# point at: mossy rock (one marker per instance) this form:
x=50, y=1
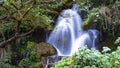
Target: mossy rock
x=44, y=49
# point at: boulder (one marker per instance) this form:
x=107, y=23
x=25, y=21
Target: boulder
x=44, y=49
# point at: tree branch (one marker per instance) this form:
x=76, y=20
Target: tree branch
x=2, y=5
x=19, y=21
x=28, y=10
x=24, y=34
x=49, y=1
x=9, y=16
x=3, y=43
x=14, y=6
x=2, y=18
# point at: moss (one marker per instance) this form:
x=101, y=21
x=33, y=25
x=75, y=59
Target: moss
x=44, y=49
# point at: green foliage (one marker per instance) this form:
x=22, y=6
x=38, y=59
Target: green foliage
x=95, y=3
x=5, y=62
x=24, y=45
x=33, y=56
x=28, y=63
x=25, y=62
x=117, y=41
x=32, y=61
x=39, y=16
x=30, y=44
x=5, y=65
x=45, y=22
x=91, y=18
x=104, y=15
x=86, y=58
x=64, y=63
x=7, y=27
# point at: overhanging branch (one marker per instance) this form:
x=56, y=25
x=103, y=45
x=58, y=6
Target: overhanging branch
x=3, y=43
x=24, y=34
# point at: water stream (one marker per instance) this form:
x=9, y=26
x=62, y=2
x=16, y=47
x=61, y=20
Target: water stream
x=68, y=35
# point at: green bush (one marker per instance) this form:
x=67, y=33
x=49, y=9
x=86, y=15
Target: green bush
x=31, y=61
x=117, y=41
x=27, y=63
x=86, y=58
x=5, y=62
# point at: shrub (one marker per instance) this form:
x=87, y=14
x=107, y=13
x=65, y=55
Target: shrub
x=31, y=60
x=5, y=62
x=86, y=58
x=117, y=41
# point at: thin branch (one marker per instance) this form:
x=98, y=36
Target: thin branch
x=28, y=10
x=2, y=18
x=2, y=5
x=17, y=35
x=3, y=43
x=44, y=2
x=13, y=13
x=14, y=6
x=9, y=16
x=29, y=1
x=24, y=34
x=17, y=10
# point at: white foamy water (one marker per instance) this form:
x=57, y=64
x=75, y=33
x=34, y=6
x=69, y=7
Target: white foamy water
x=68, y=36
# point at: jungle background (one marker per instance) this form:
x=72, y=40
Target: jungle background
x=24, y=25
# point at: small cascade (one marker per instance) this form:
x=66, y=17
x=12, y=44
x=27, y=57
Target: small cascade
x=68, y=35
x=94, y=38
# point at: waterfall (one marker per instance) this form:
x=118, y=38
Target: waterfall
x=68, y=35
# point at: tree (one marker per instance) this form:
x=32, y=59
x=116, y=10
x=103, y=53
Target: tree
x=14, y=14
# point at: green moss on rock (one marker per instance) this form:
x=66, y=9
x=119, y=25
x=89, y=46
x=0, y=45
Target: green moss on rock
x=44, y=49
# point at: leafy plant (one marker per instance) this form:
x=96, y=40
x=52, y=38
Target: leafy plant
x=86, y=58
x=30, y=44
x=25, y=16
x=32, y=60
x=117, y=41
x=91, y=18
x=6, y=61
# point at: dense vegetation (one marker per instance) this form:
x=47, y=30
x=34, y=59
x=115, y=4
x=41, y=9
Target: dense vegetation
x=104, y=15
x=25, y=23
x=86, y=58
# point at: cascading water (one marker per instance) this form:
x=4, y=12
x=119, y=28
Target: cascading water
x=68, y=36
